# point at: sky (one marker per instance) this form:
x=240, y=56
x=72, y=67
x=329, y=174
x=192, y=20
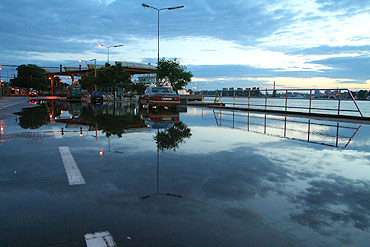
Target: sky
x=239, y=43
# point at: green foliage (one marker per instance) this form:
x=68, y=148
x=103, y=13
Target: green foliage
x=362, y=94
x=170, y=71
x=31, y=76
x=139, y=88
x=171, y=138
x=108, y=77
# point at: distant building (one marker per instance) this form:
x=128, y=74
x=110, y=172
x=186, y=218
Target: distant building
x=149, y=79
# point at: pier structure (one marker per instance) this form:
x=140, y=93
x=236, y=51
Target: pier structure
x=279, y=101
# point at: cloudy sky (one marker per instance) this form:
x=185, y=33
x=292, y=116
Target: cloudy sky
x=239, y=43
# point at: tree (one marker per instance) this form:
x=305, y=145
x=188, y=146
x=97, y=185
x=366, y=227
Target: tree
x=108, y=77
x=31, y=76
x=362, y=94
x=170, y=71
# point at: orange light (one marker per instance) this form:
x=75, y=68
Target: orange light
x=51, y=116
x=100, y=45
x=81, y=135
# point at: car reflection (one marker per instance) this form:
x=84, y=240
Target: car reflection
x=159, y=119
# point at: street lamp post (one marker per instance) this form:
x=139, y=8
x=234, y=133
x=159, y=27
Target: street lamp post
x=94, y=59
x=158, y=10
x=101, y=45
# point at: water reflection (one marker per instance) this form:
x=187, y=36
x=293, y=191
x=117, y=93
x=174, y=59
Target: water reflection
x=332, y=204
x=158, y=186
x=306, y=130
x=34, y=117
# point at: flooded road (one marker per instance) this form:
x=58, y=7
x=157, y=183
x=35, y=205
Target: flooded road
x=77, y=174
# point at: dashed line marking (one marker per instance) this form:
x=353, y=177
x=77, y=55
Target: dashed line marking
x=57, y=133
x=99, y=239
x=73, y=172
x=2, y=107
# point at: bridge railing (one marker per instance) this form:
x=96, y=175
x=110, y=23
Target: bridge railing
x=327, y=101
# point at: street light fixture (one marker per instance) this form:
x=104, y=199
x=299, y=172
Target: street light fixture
x=158, y=10
x=101, y=45
x=94, y=59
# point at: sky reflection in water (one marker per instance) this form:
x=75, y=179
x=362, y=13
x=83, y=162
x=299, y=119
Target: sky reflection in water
x=233, y=186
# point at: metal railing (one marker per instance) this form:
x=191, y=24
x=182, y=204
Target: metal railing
x=310, y=95
x=278, y=127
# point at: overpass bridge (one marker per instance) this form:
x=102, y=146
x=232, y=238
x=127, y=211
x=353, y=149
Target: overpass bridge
x=131, y=67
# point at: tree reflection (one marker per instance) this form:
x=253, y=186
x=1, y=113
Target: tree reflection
x=172, y=137
x=111, y=124
x=33, y=118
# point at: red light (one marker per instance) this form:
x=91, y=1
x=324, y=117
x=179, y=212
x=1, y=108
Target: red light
x=155, y=119
x=177, y=98
x=156, y=98
x=177, y=118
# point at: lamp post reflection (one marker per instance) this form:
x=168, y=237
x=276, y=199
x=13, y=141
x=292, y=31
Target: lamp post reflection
x=169, y=138
x=158, y=187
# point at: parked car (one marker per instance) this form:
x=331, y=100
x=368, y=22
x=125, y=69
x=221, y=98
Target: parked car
x=155, y=97
x=96, y=96
x=33, y=96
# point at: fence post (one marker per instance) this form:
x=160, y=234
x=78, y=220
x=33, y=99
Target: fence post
x=266, y=100
x=234, y=99
x=249, y=98
x=286, y=100
x=309, y=109
x=340, y=92
x=221, y=98
x=354, y=101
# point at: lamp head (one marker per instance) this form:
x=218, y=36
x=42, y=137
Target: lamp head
x=178, y=7
x=100, y=45
x=145, y=5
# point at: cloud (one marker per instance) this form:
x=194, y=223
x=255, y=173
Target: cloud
x=330, y=50
x=346, y=6
x=218, y=39
x=347, y=67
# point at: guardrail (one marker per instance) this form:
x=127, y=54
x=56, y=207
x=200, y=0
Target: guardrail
x=293, y=129
x=310, y=95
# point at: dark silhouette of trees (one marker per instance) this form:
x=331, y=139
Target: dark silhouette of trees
x=31, y=76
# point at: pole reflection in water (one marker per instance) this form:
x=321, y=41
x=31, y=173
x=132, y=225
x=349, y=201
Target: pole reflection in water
x=158, y=186
x=320, y=132
x=173, y=135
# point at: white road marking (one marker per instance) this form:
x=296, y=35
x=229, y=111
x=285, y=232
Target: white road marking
x=99, y=239
x=73, y=172
x=5, y=106
x=57, y=133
